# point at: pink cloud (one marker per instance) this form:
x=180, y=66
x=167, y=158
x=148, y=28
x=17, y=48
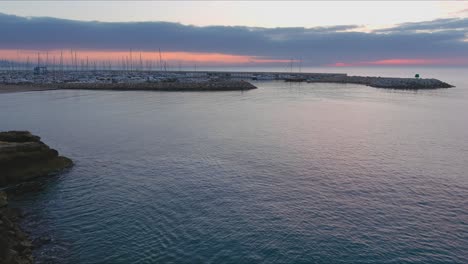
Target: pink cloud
x=408, y=62
x=119, y=56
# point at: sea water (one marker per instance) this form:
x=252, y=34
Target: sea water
x=286, y=173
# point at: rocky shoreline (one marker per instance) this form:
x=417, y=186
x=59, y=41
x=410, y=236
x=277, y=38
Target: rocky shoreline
x=15, y=246
x=23, y=158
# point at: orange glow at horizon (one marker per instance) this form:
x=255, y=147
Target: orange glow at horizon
x=405, y=62
x=135, y=57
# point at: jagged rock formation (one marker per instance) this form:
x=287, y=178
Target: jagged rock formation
x=24, y=156
x=15, y=247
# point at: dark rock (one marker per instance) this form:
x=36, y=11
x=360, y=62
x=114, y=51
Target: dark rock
x=15, y=247
x=27, y=187
x=14, y=214
x=22, y=246
x=24, y=157
x=3, y=199
x=18, y=136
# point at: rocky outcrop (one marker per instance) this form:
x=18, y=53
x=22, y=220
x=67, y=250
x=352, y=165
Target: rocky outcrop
x=15, y=247
x=3, y=199
x=24, y=156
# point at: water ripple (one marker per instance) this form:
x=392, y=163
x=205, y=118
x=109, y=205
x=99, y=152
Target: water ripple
x=316, y=173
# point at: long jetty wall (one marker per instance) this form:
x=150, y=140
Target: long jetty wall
x=162, y=86
x=386, y=82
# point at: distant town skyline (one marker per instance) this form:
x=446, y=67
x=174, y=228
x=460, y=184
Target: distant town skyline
x=336, y=33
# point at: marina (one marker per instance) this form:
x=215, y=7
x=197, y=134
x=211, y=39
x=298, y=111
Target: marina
x=41, y=79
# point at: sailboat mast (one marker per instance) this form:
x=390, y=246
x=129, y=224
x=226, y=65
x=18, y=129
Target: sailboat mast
x=131, y=60
x=160, y=60
x=76, y=62
x=141, y=63
x=61, y=61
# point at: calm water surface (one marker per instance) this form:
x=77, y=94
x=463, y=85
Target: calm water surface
x=287, y=173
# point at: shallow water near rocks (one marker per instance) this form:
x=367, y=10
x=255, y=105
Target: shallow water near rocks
x=287, y=173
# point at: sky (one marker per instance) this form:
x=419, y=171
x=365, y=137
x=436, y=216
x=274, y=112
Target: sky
x=314, y=33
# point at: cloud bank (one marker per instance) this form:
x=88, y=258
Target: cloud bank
x=442, y=40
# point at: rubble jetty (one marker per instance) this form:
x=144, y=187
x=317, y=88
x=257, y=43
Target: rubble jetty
x=385, y=82
x=160, y=86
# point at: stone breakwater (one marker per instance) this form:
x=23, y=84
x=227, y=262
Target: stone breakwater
x=162, y=86
x=386, y=82
x=23, y=157
x=228, y=85
x=190, y=81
